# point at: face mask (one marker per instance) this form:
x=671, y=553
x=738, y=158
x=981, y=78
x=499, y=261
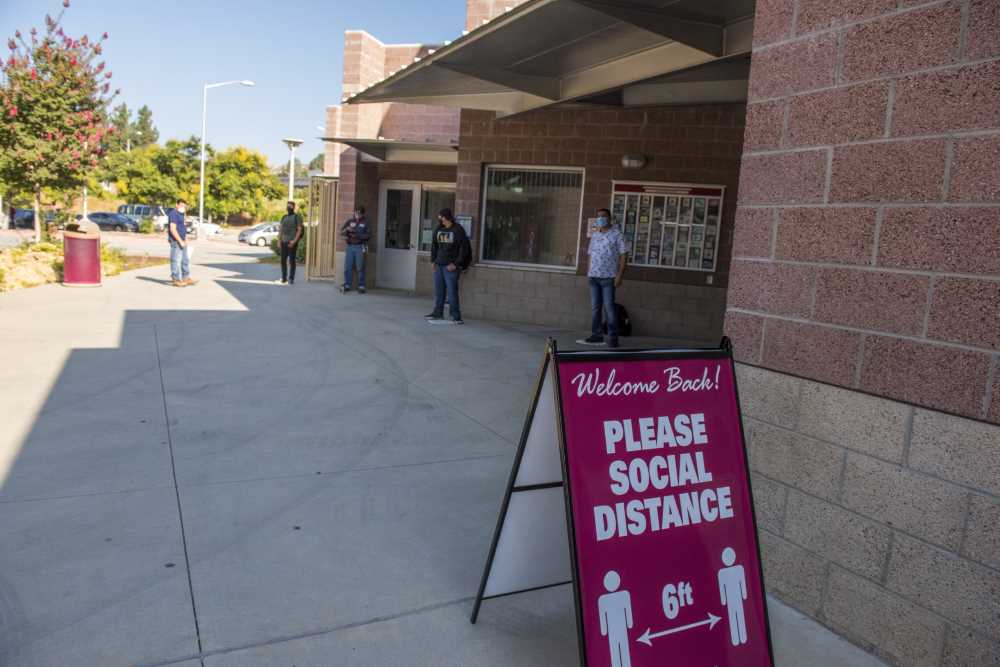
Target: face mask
x=603, y=222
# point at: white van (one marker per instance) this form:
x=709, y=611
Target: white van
x=139, y=211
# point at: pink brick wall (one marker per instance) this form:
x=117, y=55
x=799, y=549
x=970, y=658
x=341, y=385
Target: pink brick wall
x=867, y=243
x=366, y=61
x=682, y=145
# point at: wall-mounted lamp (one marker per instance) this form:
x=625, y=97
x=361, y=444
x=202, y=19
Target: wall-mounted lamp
x=633, y=161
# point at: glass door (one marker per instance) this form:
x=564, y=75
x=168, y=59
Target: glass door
x=433, y=198
x=397, y=237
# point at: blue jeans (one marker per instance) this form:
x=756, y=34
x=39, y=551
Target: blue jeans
x=179, y=269
x=602, y=297
x=354, y=258
x=446, y=281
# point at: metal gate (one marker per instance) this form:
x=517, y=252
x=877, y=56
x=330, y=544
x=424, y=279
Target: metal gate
x=322, y=247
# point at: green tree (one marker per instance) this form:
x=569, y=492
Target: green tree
x=138, y=177
x=301, y=170
x=54, y=93
x=156, y=174
x=143, y=130
x=239, y=182
x=121, y=120
x=316, y=164
x=131, y=133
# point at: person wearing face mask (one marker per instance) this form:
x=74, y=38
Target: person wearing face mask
x=177, y=236
x=356, y=232
x=608, y=255
x=288, y=241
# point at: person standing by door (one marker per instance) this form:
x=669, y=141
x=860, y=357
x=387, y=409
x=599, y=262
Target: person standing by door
x=605, y=273
x=180, y=272
x=357, y=232
x=288, y=241
x=451, y=253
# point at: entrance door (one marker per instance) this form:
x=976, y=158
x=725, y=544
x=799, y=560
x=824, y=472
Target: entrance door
x=433, y=198
x=399, y=210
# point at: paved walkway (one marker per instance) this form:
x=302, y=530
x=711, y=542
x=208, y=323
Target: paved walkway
x=244, y=474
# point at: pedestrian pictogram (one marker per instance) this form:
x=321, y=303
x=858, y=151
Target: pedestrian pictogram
x=646, y=449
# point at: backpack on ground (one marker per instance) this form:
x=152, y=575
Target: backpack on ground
x=624, y=321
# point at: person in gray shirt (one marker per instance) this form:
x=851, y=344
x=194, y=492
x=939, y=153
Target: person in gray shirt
x=288, y=241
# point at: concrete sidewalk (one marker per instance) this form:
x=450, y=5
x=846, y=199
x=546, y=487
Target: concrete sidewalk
x=241, y=473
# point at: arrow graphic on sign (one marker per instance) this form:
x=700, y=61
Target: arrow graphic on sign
x=648, y=636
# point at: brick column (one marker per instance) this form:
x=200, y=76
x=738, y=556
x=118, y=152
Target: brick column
x=865, y=306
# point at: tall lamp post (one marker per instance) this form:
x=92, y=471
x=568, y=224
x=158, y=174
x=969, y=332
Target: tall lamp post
x=204, y=129
x=292, y=145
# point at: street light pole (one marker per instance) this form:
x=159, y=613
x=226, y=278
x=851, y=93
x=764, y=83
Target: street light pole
x=292, y=145
x=204, y=130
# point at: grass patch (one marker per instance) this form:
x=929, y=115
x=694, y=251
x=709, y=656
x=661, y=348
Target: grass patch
x=133, y=262
x=270, y=259
x=32, y=264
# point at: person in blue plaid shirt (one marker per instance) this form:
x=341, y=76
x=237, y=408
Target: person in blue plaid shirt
x=607, y=268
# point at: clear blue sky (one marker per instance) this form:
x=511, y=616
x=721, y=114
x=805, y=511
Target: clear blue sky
x=163, y=51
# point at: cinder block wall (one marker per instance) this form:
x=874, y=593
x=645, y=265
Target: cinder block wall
x=865, y=307
x=699, y=144
x=561, y=300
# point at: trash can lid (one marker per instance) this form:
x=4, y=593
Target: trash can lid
x=84, y=229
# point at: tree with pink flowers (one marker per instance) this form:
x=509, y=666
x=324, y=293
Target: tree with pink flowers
x=54, y=95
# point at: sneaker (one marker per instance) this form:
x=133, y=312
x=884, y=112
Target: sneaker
x=593, y=340
x=612, y=342
x=361, y=290
x=178, y=283
x=189, y=281
x=283, y=281
x=344, y=290
x=434, y=316
x=458, y=321
x=291, y=281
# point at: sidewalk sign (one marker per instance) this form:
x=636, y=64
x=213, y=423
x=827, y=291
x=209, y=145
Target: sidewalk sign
x=647, y=451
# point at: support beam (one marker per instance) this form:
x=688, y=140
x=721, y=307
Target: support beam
x=540, y=86
x=707, y=37
x=377, y=152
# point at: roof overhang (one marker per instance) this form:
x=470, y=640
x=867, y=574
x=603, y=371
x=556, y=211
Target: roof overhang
x=547, y=52
x=390, y=150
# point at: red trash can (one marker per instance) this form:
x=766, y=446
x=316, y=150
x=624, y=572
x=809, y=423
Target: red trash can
x=82, y=255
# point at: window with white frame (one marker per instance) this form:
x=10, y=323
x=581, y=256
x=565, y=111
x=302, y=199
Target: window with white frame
x=670, y=225
x=532, y=215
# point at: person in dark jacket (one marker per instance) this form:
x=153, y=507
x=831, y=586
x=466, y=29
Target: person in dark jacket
x=450, y=253
x=288, y=242
x=357, y=232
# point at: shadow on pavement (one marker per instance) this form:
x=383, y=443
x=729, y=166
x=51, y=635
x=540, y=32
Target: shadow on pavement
x=273, y=474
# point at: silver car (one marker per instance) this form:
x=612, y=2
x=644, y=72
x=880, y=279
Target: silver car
x=260, y=235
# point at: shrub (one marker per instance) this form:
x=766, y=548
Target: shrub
x=300, y=249
x=146, y=226
x=112, y=260
x=45, y=246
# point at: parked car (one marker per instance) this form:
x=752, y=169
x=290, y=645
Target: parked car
x=113, y=222
x=260, y=235
x=139, y=211
x=207, y=229
x=23, y=218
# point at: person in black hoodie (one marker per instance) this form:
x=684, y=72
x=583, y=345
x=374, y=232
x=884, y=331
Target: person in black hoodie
x=451, y=252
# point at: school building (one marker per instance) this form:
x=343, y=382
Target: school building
x=818, y=180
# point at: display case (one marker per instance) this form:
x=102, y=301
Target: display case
x=669, y=225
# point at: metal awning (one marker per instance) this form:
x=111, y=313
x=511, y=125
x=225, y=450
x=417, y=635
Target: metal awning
x=391, y=150
x=547, y=52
